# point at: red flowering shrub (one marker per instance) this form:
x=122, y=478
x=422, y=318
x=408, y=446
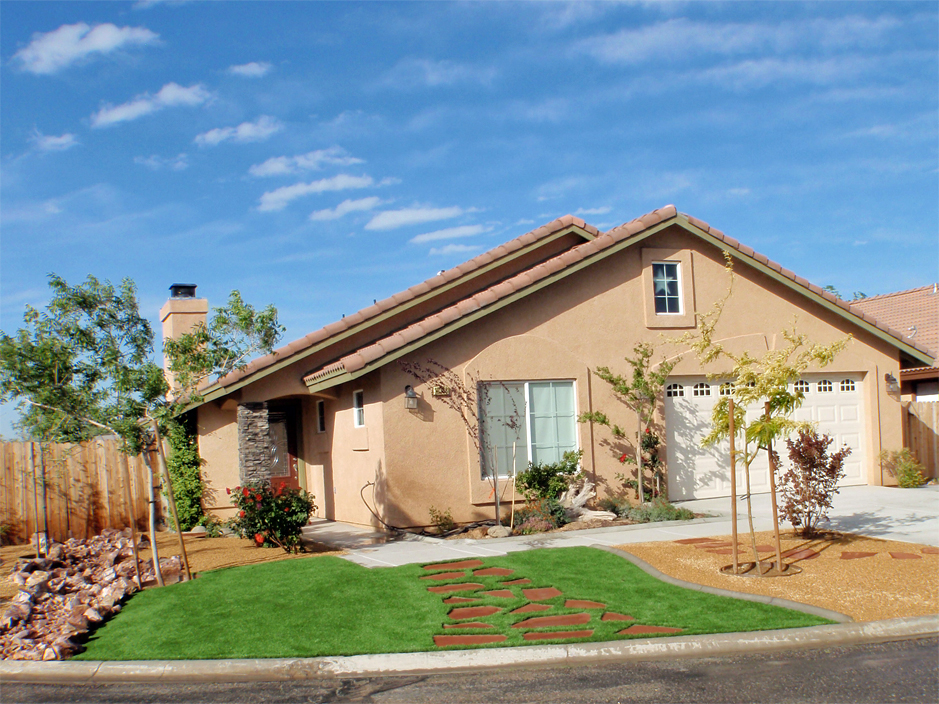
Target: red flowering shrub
x=811, y=483
x=272, y=516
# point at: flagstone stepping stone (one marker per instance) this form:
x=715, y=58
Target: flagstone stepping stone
x=473, y=612
x=469, y=624
x=581, y=604
x=441, y=576
x=612, y=616
x=528, y=608
x=459, y=600
x=469, y=639
x=636, y=630
x=848, y=555
x=930, y=551
x=517, y=581
x=713, y=544
x=730, y=550
x=905, y=556
x=541, y=594
x=446, y=588
x=694, y=541
x=493, y=572
x=501, y=593
x=558, y=635
x=550, y=621
x=803, y=554
x=462, y=565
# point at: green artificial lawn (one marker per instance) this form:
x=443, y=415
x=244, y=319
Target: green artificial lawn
x=329, y=606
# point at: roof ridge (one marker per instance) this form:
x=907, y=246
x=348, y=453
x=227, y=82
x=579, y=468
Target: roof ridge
x=893, y=293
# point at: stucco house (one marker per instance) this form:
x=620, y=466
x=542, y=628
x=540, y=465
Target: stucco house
x=530, y=319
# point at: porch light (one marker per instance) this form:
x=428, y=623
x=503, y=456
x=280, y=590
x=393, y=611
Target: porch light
x=893, y=386
x=410, y=398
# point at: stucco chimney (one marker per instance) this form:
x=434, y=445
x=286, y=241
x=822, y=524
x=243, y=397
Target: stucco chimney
x=180, y=314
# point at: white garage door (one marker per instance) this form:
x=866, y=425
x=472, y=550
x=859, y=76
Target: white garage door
x=834, y=401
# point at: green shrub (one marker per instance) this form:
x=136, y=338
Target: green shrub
x=185, y=467
x=271, y=517
x=616, y=504
x=659, y=510
x=549, y=481
x=902, y=465
x=539, y=515
x=442, y=521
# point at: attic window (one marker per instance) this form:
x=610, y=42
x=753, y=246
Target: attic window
x=666, y=286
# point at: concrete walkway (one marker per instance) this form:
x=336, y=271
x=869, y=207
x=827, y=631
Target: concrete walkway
x=908, y=515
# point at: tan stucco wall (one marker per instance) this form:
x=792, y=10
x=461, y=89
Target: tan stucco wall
x=218, y=447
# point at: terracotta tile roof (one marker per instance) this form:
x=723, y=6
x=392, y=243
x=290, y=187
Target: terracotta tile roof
x=914, y=313
x=413, y=292
x=362, y=357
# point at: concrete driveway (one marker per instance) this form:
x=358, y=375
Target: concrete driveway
x=908, y=515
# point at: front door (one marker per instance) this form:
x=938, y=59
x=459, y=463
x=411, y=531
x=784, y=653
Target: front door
x=284, y=465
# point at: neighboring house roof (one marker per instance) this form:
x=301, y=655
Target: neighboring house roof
x=413, y=333
x=914, y=313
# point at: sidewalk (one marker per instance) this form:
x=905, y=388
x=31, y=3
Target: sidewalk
x=907, y=515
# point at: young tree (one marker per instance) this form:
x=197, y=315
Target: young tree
x=754, y=382
x=84, y=366
x=811, y=482
x=639, y=392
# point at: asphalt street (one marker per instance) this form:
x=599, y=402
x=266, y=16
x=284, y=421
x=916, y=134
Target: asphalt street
x=903, y=671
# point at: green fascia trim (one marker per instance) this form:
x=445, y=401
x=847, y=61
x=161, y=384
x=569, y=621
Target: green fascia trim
x=343, y=377
x=214, y=392
x=798, y=288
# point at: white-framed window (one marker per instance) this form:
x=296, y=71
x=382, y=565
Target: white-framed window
x=847, y=385
x=321, y=416
x=802, y=386
x=702, y=389
x=727, y=388
x=532, y=421
x=666, y=286
x=824, y=386
x=674, y=390
x=358, y=408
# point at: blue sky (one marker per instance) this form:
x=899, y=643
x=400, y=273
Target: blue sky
x=318, y=156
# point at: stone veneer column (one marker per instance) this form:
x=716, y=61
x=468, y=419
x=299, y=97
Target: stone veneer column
x=254, y=443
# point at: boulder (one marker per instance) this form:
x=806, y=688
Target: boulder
x=498, y=532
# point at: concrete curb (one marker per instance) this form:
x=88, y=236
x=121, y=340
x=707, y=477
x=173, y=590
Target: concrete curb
x=744, y=596
x=272, y=670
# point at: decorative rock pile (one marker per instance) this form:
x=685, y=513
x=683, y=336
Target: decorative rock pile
x=74, y=589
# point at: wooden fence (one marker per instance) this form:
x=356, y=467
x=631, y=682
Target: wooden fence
x=84, y=489
x=921, y=433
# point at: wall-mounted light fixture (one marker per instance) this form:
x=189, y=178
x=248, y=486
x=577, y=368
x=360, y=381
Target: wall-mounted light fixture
x=410, y=398
x=893, y=386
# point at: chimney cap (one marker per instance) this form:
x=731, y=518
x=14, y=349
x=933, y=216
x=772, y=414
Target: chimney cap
x=183, y=291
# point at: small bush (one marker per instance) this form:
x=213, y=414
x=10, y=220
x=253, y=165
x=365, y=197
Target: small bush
x=538, y=512
x=442, y=521
x=659, y=510
x=271, y=517
x=902, y=465
x=811, y=482
x=549, y=481
x=617, y=504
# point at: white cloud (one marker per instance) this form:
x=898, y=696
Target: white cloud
x=311, y=161
x=593, y=211
x=170, y=95
x=256, y=131
x=279, y=198
x=453, y=249
x=51, y=52
x=739, y=192
x=156, y=162
x=420, y=73
x=50, y=143
x=449, y=233
x=346, y=207
x=392, y=219
x=254, y=69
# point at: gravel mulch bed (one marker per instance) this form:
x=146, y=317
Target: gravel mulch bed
x=869, y=589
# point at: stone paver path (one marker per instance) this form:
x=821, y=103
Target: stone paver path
x=462, y=592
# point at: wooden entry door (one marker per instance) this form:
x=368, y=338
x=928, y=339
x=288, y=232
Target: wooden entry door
x=282, y=426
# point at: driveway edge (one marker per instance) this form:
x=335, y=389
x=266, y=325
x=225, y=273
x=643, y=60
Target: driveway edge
x=282, y=669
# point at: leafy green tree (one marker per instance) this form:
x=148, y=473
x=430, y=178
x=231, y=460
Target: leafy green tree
x=639, y=391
